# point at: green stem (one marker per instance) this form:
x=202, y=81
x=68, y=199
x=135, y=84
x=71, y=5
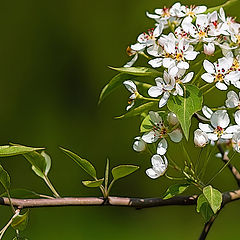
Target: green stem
x=209, y=90
x=221, y=169
x=47, y=181
x=145, y=55
x=147, y=99
x=174, y=178
x=227, y=4
x=109, y=188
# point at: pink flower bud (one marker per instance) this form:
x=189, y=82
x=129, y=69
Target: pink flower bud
x=209, y=49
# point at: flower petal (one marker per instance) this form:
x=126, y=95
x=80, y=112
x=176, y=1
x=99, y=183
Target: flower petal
x=162, y=147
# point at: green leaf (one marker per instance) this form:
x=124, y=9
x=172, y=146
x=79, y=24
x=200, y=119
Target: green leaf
x=93, y=184
x=139, y=110
x=38, y=162
x=123, y=171
x=20, y=222
x=214, y=198
x=113, y=85
x=8, y=150
x=48, y=166
x=138, y=71
x=4, y=178
x=184, y=107
x=84, y=164
x=175, y=190
x=204, y=208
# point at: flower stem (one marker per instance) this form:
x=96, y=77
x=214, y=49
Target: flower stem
x=221, y=169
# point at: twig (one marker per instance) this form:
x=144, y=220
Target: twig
x=225, y=159
x=207, y=228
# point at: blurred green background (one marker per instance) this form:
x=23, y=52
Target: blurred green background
x=53, y=65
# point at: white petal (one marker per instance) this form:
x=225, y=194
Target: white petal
x=150, y=137
x=138, y=47
x=237, y=117
x=155, y=117
x=168, y=62
x=212, y=136
x=205, y=127
x=130, y=85
x=152, y=174
x=221, y=86
x=132, y=61
x=207, y=112
x=176, y=135
x=232, y=129
x=162, y=147
x=191, y=55
x=183, y=65
x=155, y=63
x=164, y=99
x=139, y=145
x=227, y=136
x=207, y=77
x=209, y=67
x=188, y=77
x=200, y=9
x=232, y=100
x=155, y=91
x=220, y=118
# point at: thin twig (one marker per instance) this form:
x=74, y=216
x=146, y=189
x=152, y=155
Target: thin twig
x=225, y=159
x=207, y=228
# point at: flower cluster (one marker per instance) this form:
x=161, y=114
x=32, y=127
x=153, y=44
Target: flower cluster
x=188, y=46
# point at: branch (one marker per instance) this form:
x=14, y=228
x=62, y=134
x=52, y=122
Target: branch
x=99, y=201
x=207, y=228
x=225, y=159
x=112, y=201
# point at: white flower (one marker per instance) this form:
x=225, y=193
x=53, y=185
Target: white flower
x=192, y=11
x=159, y=166
x=147, y=39
x=216, y=27
x=132, y=88
x=164, y=88
x=200, y=138
x=131, y=52
x=219, y=125
x=219, y=73
x=177, y=52
x=233, y=100
x=160, y=131
x=139, y=145
x=209, y=49
x=199, y=31
x=179, y=82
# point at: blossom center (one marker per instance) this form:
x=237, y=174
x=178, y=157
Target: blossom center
x=179, y=57
x=219, y=77
x=166, y=12
x=219, y=131
x=202, y=34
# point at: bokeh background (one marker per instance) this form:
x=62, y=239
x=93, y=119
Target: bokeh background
x=53, y=65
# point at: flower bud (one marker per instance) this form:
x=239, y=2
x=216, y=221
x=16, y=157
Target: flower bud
x=200, y=138
x=209, y=49
x=139, y=145
x=172, y=118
